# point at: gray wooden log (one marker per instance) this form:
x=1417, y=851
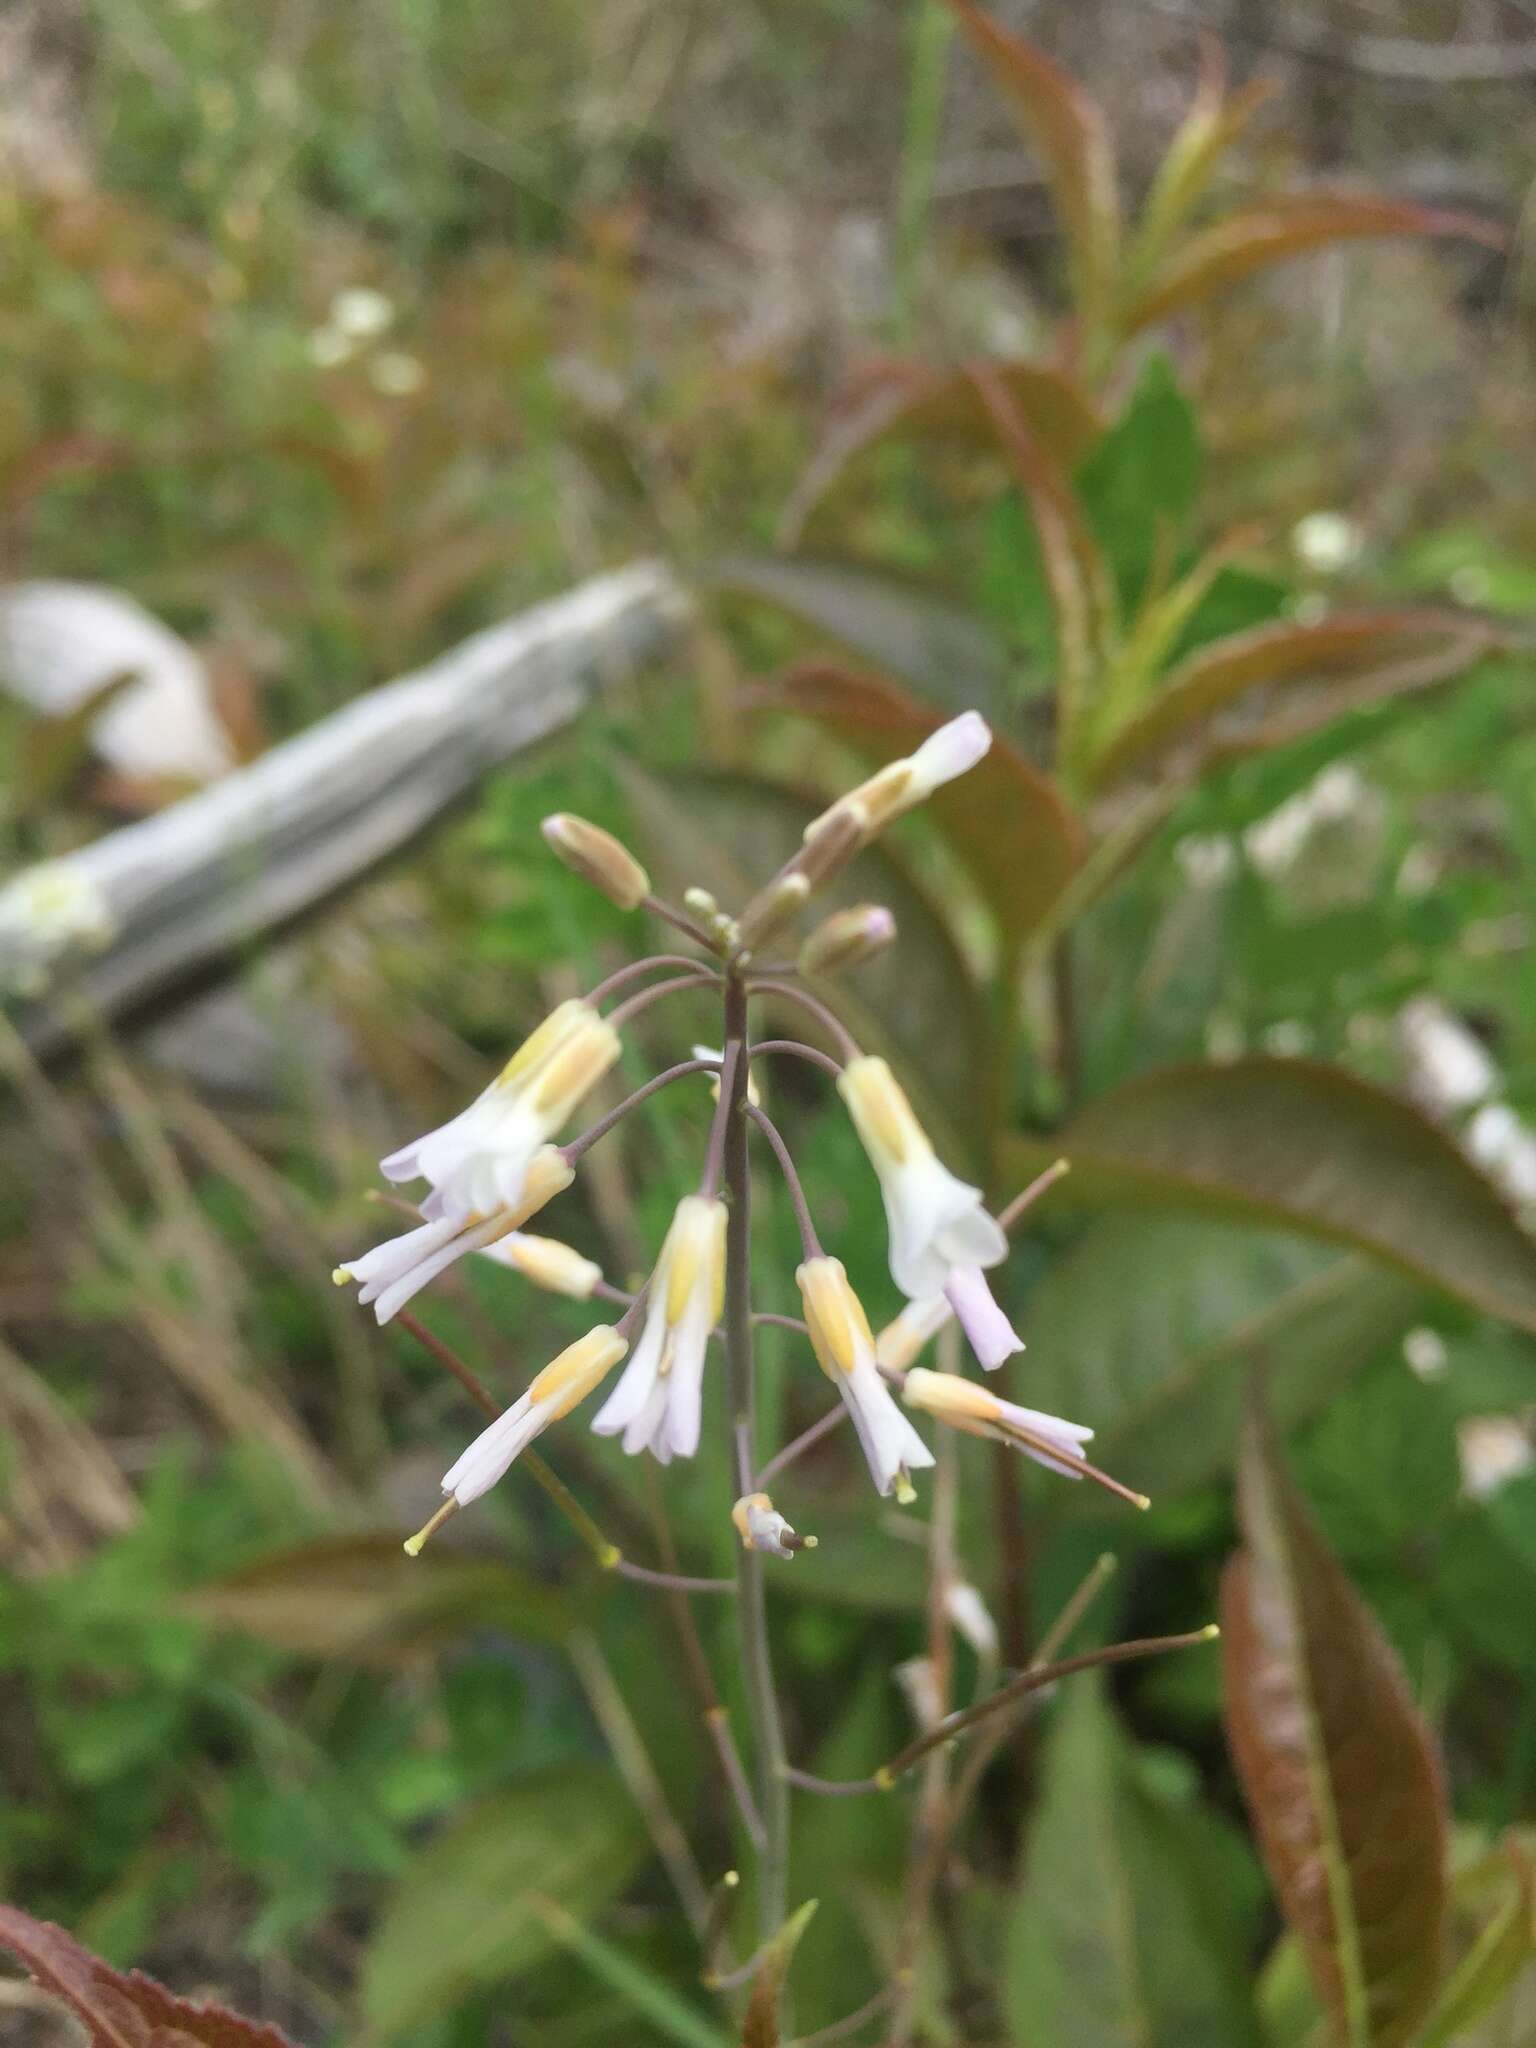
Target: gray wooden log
x=161, y=903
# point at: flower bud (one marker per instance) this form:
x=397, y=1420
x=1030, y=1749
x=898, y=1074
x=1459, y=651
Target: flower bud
x=951, y=750
x=557, y=1267
x=598, y=858
x=773, y=907
x=847, y=939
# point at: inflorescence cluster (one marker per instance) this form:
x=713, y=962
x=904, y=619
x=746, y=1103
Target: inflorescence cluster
x=494, y=1166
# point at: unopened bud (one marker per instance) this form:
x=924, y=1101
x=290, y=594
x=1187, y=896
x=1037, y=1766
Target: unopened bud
x=847, y=938
x=701, y=903
x=548, y=1263
x=761, y=1527
x=773, y=907
x=598, y=858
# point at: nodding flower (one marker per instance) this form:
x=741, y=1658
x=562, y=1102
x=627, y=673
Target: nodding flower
x=1047, y=1439
x=845, y=1351
x=966, y=1294
x=941, y=1236
x=564, y=1382
x=950, y=751
x=477, y=1161
x=393, y=1272
x=657, y=1401
x=556, y=1267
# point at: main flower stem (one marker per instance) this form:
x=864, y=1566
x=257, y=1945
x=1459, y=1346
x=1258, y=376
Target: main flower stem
x=751, y=1604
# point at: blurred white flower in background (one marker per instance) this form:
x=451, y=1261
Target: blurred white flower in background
x=1494, y=1449
x=1328, y=543
x=361, y=312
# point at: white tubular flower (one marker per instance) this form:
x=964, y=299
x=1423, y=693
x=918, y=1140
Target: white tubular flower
x=951, y=751
x=656, y=1403
x=393, y=1272
x=936, y=1221
x=556, y=1391
x=845, y=1351
x=477, y=1161
x=558, y=1268
x=964, y=1405
x=761, y=1527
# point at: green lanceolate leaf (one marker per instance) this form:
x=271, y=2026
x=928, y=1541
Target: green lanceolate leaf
x=1306, y=1145
x=1009, y=823
x=469, y=1911
x=1336, y=1764
x=123, y=2010
x=1113, y=1940
x=1501, y=1950
x=761, y=2026
x=361, y=1597
x=1149, y=1325
x=1139, y=483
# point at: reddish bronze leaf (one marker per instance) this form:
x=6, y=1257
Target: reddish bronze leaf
x=1274, y=682
x=1072, y=136
x=123, y=2010
x=1308, y=1146
x=1337, y=1766
x=1280, y=228
x=911, y=401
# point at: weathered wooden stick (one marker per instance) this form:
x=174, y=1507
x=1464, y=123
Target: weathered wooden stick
x=160, y=903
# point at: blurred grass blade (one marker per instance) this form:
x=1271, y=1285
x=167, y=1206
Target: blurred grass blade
x=1337, y=1766
x=1072, y=137
x=1114, y=1938
x=1307, y=1145
x=1150, y=1323
x=1255, y=237
x=945, y=653
x=1009, y=822
x=910, y=401
x=361, y=1597
x=1256, y=688
x=761, y=2026
x=121, y=2010
x=648, y=1993
x=464, y=1912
